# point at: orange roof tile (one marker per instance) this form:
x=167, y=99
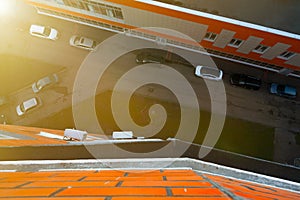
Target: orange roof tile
x=28, y=136
x=119, y=185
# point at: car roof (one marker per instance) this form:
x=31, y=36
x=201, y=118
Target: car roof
x=37, y=28
x=29, y=103
x=210, y=70
x=86, y=41
x=45, y=80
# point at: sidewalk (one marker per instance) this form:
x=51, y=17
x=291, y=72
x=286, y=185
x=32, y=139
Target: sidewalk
x=286, y=148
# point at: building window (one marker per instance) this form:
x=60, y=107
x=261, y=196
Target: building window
x=209, y=36
x=261, y=49
x=100, y=8
x=286, y=55
x=235, y=42
x=75, y=4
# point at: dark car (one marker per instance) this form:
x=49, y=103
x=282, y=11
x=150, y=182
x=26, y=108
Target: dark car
x=143, y=58
x=245, y=81
x=283, y=90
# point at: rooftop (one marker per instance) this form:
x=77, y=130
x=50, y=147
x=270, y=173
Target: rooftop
x=37, y=163
x=90, y=179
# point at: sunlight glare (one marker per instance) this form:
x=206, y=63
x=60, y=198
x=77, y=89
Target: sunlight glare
x=6, y=7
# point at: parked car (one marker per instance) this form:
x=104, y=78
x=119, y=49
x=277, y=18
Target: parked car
x=3, y=100
x=83, y=42
x=44, y=82
x=27, y=105
x=283, y=90
x=3, y=119
x=245, y=81
x=210, y=73
x=43, y=32
x=144, y=58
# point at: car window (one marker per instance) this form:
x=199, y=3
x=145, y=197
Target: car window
x=253, y=80
x=210, y=71
x=280, y=88
x=47, y=31
x=76, y=40
x=36, y=33
x=22, y=107
x=210, y=75
x=82, y=41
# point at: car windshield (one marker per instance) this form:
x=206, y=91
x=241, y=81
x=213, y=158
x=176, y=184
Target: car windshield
x=94, y=44
x=76, y=40
x=47, y=31
x=82, y=41
x=242, y=79
x=280, y=88
x=22, y=108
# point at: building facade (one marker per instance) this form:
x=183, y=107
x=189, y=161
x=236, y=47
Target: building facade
x=222, y=37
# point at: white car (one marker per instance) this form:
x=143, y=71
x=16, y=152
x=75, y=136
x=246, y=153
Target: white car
x=44, y=32
x=43, y=82
x=211, y=73
x=27, y=105
x=83, y=42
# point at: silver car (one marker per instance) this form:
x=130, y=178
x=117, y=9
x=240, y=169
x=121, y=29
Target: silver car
x=44, y=82
x=83, y=42
x=27, y=105
x=43, y=32
x=211, y=73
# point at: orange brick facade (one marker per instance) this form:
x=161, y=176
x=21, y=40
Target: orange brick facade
x=216, y=26
x=131, y=184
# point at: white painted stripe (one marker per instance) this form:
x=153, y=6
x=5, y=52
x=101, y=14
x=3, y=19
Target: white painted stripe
x=50, y=135
x=63, y=169
x=82, y=161
x=223, y=19
x=118, y=169
x=7, y=137
x=7, y=170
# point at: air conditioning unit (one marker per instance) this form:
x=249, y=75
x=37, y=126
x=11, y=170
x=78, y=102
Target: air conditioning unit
x=72, y=134
x=122, y=135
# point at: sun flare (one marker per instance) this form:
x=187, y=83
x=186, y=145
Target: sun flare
x=6, y=7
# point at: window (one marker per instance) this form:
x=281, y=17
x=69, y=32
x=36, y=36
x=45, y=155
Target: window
x=210, y=36
x=76, y=4
x=97, y=9
x=286, y=55
x=261, y=49
x=100, y=8
x=118, y=13
x=235, y=42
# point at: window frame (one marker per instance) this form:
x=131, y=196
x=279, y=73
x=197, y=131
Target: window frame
x=210, y=35
x=284, y=57
x=260, y=46
x=232, y=44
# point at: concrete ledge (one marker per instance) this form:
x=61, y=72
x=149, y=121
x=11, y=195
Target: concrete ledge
x=149, y=164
